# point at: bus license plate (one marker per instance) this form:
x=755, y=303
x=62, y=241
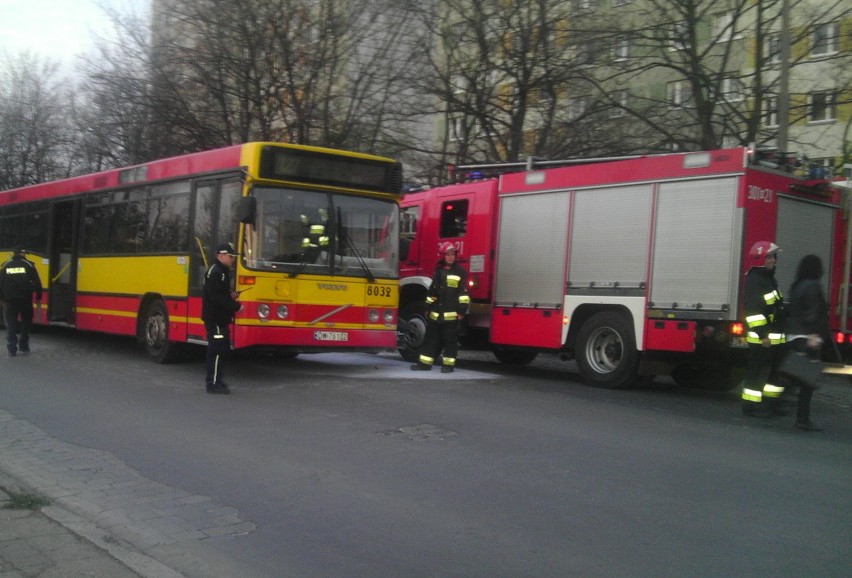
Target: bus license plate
x=331, y=336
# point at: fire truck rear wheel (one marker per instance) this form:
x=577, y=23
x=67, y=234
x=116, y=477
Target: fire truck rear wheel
x=411, y=338
x=606, y=351
x=155, y=333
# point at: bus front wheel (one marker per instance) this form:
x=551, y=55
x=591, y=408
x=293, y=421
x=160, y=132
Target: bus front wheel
x=156, y=333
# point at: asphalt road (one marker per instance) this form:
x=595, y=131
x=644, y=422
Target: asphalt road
x=352, y=466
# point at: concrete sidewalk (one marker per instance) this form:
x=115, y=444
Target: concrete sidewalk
x=50, y=542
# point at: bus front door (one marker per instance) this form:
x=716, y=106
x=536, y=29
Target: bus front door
x=62, y=250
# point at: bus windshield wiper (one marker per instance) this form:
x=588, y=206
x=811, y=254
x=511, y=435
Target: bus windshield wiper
x=351, y=244
x=300, y=268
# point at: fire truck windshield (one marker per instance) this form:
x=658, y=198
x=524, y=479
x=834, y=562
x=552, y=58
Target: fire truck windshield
x=310, y=232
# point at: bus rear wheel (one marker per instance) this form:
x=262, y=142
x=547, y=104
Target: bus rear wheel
x=156, y=333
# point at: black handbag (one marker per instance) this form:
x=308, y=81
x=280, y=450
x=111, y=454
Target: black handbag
x=800, y=367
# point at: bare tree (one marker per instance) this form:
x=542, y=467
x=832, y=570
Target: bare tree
x=704, y=74
x=318, y=72
x=114, y=110
x=34, y=140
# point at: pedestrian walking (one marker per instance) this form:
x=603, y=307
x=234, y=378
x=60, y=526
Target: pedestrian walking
x=808, y=328
x=448, y=302
x=219, y=303
x=19, y=281
x=764, y=332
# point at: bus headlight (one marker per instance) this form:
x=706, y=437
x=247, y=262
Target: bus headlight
x=283, y=311
x=263, y=311
x=374, y=316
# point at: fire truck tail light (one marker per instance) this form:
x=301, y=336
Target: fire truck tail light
x=737, y=329
x=247, y=280
x=840, y=338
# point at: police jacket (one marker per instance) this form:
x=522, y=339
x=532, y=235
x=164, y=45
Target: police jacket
x=217, y=305
x=764, y=307
x=808, y=310
x=448, y=298
x=19, y=280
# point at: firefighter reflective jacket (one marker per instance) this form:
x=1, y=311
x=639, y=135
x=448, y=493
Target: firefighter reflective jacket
x=764, y=307
x=448, y=296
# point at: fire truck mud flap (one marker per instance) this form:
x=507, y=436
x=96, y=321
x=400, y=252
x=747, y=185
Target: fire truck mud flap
x=606, y=351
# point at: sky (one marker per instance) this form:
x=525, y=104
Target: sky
x=56, y=29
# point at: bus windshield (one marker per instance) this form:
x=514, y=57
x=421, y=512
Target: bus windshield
x=309, y=232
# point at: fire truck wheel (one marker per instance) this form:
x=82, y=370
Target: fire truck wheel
x=412, y=332
x=156, y=333
x=606, y=351
x=511, y=356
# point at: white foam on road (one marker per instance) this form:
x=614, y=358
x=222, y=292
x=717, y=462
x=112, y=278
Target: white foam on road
x=384, y=366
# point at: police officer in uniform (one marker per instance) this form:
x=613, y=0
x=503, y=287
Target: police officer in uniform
x=219, y=303
x=19, y=280
x=448, y=302
x=764, y=332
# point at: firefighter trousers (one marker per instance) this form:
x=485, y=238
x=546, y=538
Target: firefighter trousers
x=441, y=337
x=761, y=388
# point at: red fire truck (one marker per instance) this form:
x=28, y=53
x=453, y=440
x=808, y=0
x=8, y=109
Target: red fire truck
x=633, y=267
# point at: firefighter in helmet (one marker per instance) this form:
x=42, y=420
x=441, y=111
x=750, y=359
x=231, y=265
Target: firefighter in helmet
x=448, y=302
x=764, y=332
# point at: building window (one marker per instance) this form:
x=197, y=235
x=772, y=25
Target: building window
x=587, y=53
x=622, y=48
x=773, y=49
x=619, y=99
x=822, y=106
x=770, y=111
x=577, y=107
x=724, y=27
x=679, y=93
x=825, y=39
x=678, y=36
x=733, y=90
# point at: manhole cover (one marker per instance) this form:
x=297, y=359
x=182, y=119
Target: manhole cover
x=423, y=432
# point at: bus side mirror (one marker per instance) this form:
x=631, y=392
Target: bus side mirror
x=246, y=210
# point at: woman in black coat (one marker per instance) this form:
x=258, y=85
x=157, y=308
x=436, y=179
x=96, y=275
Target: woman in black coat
x=807, y=327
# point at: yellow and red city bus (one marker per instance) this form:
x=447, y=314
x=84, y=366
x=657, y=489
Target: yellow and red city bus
x=125, y=251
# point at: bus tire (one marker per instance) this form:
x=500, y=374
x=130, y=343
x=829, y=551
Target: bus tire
x=411, y=333
x=155, y=333
x=606, y=351
x=512, y=356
